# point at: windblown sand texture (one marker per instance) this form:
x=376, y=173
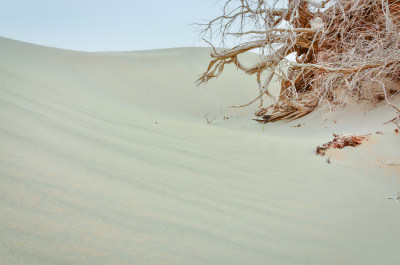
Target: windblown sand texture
x=107, y=158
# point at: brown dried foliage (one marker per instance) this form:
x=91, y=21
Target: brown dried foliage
x=341, y=141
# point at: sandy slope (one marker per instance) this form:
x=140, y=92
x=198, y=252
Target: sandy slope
x=106, y=158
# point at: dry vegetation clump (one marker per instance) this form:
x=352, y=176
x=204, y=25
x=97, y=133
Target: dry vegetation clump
x=341, y=141
x=343, y=49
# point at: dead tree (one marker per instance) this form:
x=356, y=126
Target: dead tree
x=343, y=49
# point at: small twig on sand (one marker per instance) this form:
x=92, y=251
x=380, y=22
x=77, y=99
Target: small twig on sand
x=395, y=121
x=208, y=121
x=387, y=163
x=328, y=160
x=396, y=198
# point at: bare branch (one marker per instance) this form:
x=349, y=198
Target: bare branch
x=341, y=48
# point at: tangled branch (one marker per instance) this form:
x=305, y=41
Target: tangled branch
x=342, y=48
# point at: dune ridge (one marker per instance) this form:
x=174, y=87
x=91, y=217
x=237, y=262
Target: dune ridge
x=106, y=158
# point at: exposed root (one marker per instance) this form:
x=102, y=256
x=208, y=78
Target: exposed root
x=341, y=141
x=344, y=49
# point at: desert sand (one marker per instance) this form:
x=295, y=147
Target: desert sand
x=107, y=158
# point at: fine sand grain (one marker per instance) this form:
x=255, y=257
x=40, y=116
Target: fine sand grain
x=107, y=158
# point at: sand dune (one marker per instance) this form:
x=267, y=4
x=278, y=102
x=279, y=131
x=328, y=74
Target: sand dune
x=106, y=158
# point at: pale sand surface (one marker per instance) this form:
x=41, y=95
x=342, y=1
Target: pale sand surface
x=106, y=158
